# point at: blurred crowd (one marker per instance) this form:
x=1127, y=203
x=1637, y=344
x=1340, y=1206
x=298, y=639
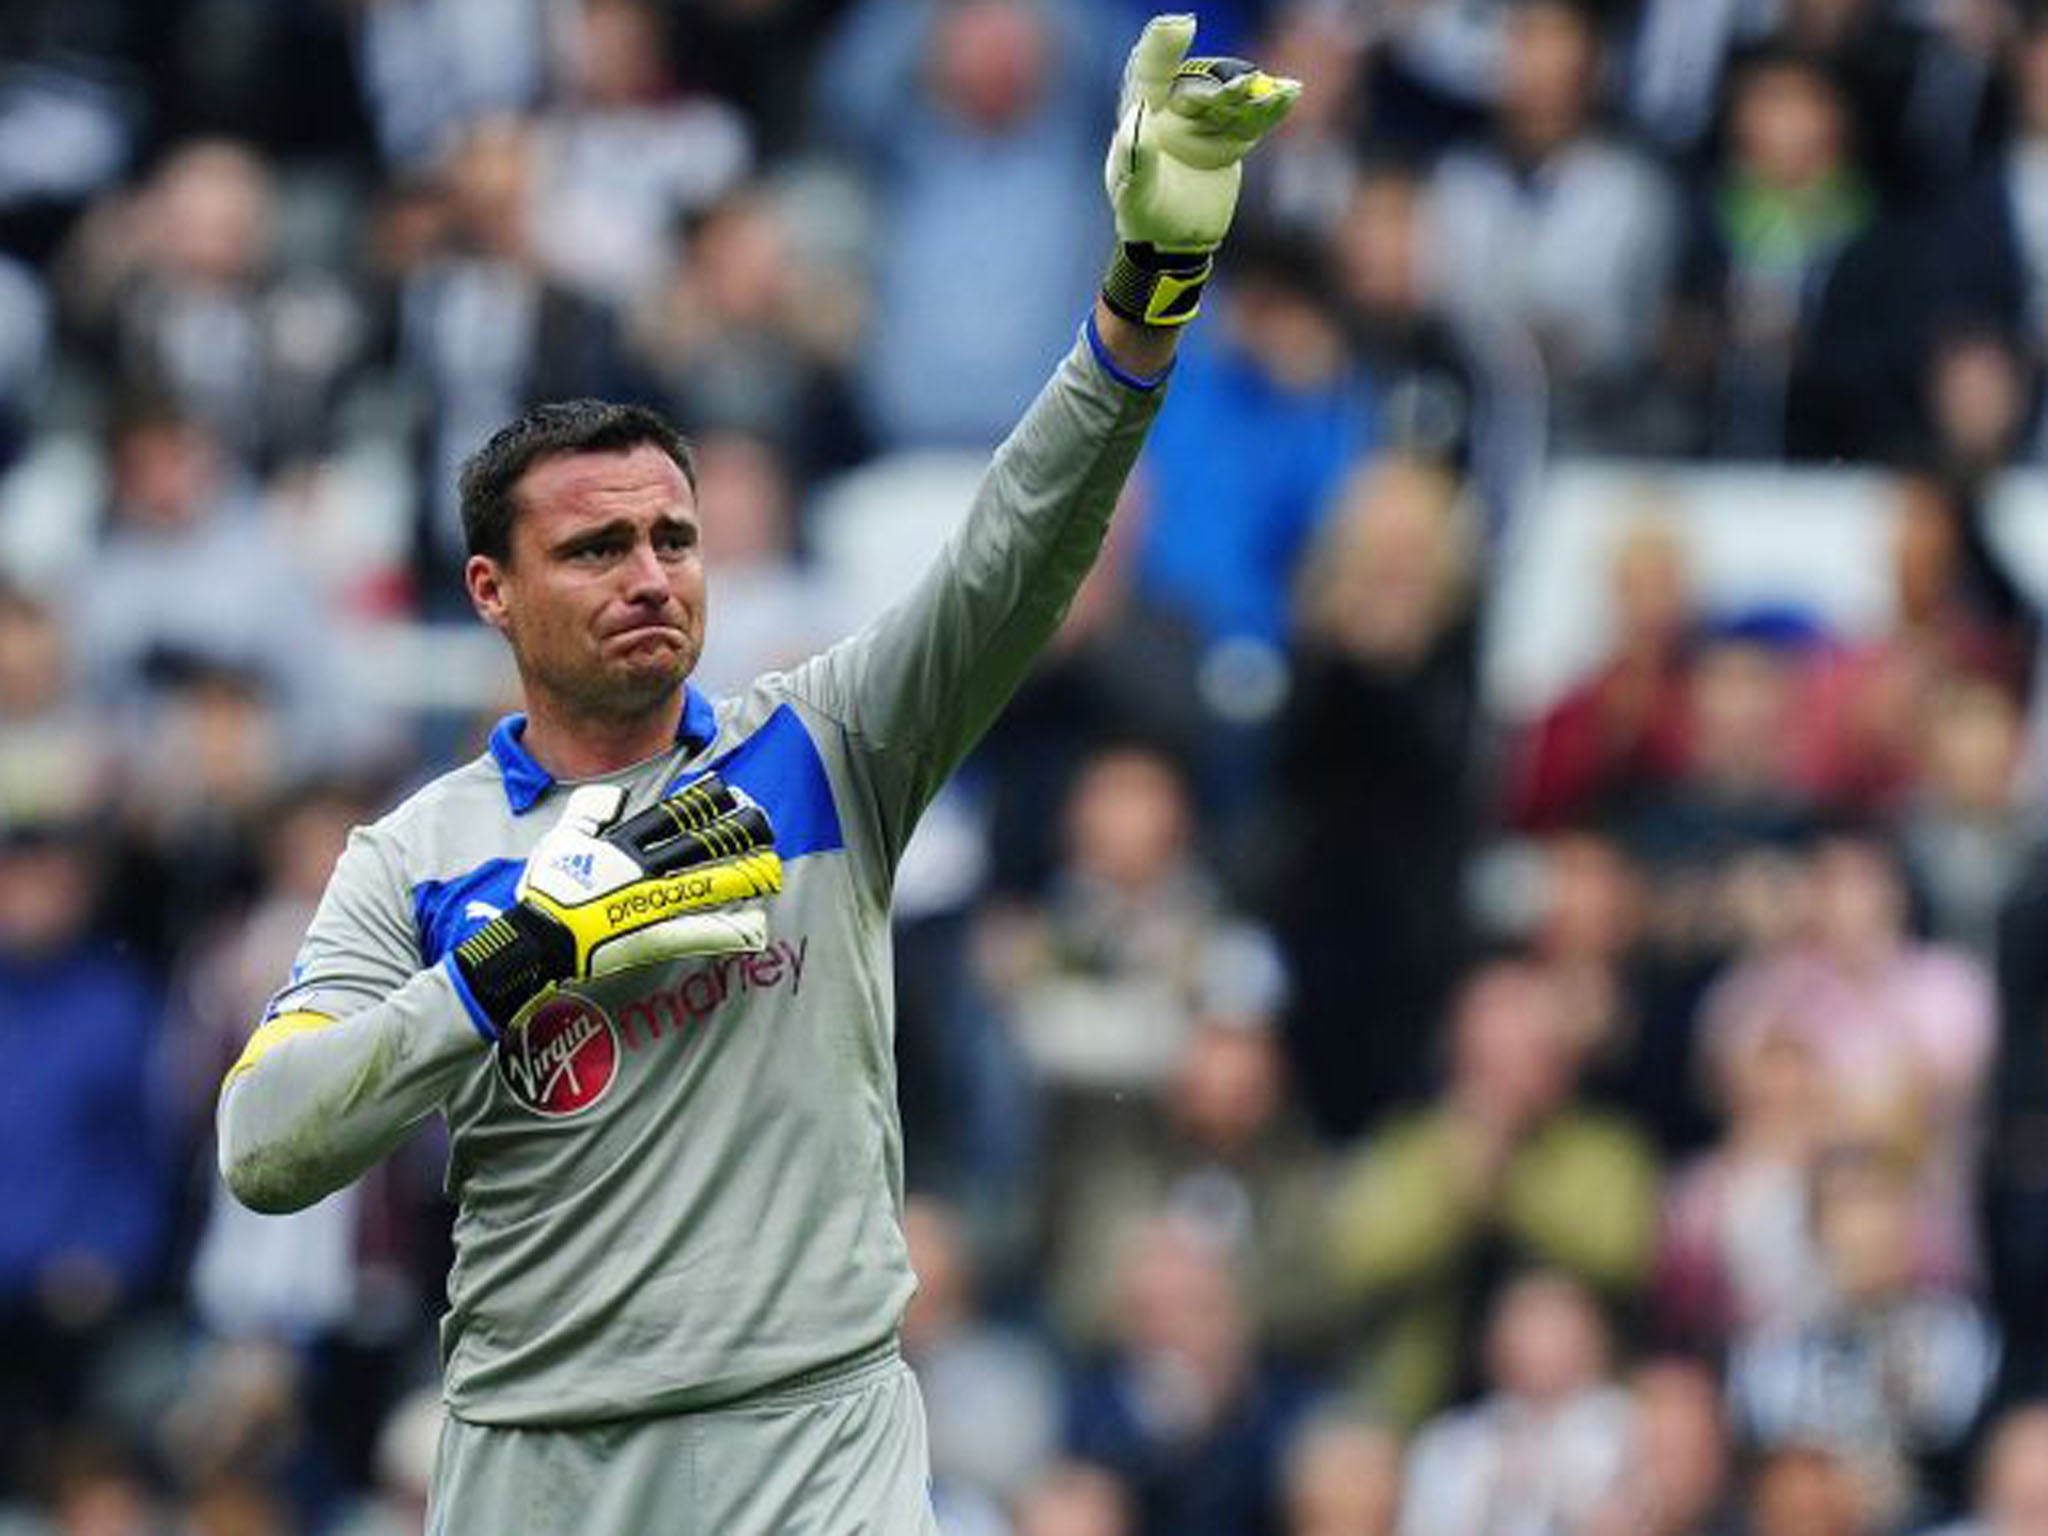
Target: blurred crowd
x=1336, y=1104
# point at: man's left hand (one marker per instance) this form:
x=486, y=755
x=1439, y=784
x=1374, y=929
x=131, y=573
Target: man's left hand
x=1174, y=167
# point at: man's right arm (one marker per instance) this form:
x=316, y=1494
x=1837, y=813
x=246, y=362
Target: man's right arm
x=363, y=1044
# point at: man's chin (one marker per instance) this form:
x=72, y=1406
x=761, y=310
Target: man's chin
x=644, y=679
x=651, y=680
x=627, y=688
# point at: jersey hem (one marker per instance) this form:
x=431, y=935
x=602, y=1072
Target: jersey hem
x=835, y=1378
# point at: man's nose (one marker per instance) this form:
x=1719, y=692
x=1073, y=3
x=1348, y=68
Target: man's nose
x=646, y=577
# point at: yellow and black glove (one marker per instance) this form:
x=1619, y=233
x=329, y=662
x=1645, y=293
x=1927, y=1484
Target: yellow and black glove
x=683, y=878
x=1173, y=169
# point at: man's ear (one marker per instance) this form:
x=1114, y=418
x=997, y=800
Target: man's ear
x=485, y=579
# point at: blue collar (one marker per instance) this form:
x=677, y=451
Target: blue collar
x=526, y=781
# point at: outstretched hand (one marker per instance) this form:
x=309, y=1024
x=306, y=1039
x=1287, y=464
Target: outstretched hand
x=1174, y=167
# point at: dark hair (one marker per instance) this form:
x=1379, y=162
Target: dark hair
x=1773, y=58
x=148, y=405
x=490, y=477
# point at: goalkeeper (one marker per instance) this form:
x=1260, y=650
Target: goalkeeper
x=637, y=953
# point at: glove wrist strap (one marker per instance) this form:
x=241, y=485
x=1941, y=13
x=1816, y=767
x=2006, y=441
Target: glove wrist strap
x=1148, y=286
x=511, y=959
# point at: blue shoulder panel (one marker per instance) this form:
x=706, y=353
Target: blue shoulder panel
x=780, y=767
x=448, y=911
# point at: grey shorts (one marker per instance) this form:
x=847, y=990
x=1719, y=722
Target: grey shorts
x=844, y=1459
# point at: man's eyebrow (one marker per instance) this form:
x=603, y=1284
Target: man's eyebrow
x=588, y=538
x=622, y=527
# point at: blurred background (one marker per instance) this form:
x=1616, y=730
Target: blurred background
x=1494, y=982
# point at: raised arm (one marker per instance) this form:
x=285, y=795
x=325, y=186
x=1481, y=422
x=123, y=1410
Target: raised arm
x=916, y=688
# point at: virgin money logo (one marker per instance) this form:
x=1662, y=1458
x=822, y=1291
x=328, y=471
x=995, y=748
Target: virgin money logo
x=564, y=1060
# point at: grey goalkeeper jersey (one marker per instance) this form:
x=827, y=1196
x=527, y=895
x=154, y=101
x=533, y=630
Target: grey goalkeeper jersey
x=682, y=1185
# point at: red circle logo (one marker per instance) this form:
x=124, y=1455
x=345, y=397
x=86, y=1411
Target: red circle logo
x=564, y=1059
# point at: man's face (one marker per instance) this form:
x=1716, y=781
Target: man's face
x=602, y=599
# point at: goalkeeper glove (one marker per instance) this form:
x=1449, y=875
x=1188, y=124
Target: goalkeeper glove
x=1173, y=169
x=679, y=879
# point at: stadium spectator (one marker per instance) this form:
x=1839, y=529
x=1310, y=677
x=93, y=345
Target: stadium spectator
x=1737, y=1253
x=1982, y=397
x=1272, y=411
x=1342, y=1477
x=961, y=115
x=2014, y=1174
x=1804, y=1489
x=1270, y=414
x=1902, y=1030
x=1677, y=64
x=1469, y=400
x=146, y=606
x=1868, y=703
x=1892, y=1372
x=744, y=336
x=1504, y=1167
x=218, y=758
x=1536, y=1454
x=234, y=1504
x=1224, y=1150
x=1964, y=835
x=1136, y=944
x=83, y=1117
x=1988, y=236
x=1781, y=209
x=1184, y=1406
x=406, y=1445
x=24, y=353
x=1922, y=83
x=1436, y=69
x=2012, y=1478
x=1628, y=999
x=1620, y=732
x=992, y=1393
x=1558, y=229
x=1376, y=778
x=1117, y=670
x=433, y=69
x=760, y=56
x=179, y=289
x=235, y=1433
x=92, y=1485
x=1739, y=782
x=52, y=744
x=1077, y=1498
x=1676, y=1482
x=621, y=155
x=68, y=130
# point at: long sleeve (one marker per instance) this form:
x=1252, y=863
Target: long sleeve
x=362, y=1045
x=868, y=82
x=1405, y=1214
x=1583, y=1195
x=916, y=688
